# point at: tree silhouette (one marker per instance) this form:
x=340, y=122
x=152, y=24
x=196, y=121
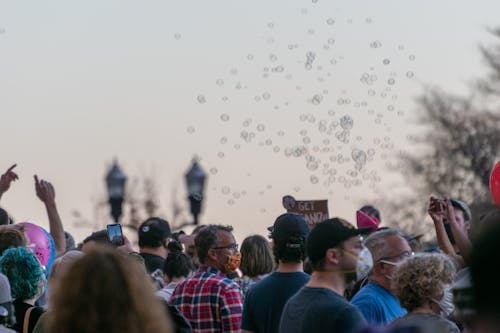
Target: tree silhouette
x=456, y=151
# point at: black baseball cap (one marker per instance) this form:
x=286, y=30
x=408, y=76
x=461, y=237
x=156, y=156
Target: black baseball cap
x=328, y=234
x=153, y=232
x=289, y=225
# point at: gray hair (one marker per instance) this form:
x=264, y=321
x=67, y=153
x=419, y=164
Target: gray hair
x=377, y=242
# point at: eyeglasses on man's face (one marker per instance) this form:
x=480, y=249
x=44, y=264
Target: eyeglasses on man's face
x=399, y=257
x=233, y=246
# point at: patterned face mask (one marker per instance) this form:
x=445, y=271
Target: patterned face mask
x=233, y=262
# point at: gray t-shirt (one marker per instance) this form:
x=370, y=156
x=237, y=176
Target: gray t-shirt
x=320, y=310
x=426, y=322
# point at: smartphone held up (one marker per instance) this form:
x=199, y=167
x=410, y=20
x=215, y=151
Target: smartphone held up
x=115, y=234
x=437, y=205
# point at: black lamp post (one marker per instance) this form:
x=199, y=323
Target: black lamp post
x=195, y=182
x=115, y=182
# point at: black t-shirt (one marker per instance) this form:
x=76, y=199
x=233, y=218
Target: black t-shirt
x=265, y=300
x=20, y=309
x=320, y=310
x=152, y=262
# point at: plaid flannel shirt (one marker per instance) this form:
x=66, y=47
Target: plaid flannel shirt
x=210, y=301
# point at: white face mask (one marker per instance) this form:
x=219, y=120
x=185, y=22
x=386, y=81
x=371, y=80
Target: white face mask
x=446, y=302
x=364, y=264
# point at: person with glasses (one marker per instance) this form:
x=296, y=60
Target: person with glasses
x=389, y=248
x=209, y=299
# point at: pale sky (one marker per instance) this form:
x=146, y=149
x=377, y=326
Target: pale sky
x=237, y=83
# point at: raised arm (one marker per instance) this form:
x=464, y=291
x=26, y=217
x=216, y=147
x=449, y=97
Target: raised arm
x=437, y=213
x=46, y=193
x=6, y=179
x=461, y=238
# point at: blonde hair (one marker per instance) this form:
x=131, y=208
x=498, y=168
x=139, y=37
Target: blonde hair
x=105, y=291
x=422, y=277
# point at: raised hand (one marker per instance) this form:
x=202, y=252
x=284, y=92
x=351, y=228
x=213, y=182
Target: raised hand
x=45, y=191
x=7, y=178
x=436, y=210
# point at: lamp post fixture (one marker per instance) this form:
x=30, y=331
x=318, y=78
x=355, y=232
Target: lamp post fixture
x=115, y=182
x=195, y=183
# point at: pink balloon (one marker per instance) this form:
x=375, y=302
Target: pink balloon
x=39, y=241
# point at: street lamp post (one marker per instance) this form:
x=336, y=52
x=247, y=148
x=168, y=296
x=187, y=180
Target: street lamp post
x=195, y=183
x=115, y=182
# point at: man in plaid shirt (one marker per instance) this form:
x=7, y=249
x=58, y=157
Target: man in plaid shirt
x=208, y=299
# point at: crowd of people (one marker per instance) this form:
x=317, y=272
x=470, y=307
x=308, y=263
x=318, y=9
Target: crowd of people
x=328, y=277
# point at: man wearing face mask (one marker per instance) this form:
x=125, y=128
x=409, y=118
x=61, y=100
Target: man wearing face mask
x=208, y=299
x=375, y=300
x=333, y=248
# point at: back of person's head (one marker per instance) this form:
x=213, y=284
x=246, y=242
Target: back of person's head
x=178, y=264
x=377, y=242
x=154, y=232
x=206, y=238
x=70, y=241
x=24, y=272
x=371, y=211
x=12, y=235
x=256, y=256
x=4, y=217
x=105, y=291
x=61, y=264
x=289, y=233
x=422, y=279
x=97, y=238
x=100, y=236
x=6, y=301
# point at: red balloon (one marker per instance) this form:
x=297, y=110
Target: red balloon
x=495, y=183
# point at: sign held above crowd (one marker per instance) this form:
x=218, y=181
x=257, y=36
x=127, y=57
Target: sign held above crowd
x=314, y=211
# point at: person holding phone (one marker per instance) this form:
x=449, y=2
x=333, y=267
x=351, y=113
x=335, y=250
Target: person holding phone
x=115, y=234
x=452, y=221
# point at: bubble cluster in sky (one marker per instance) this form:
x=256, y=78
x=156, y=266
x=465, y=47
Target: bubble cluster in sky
x=344, y=129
